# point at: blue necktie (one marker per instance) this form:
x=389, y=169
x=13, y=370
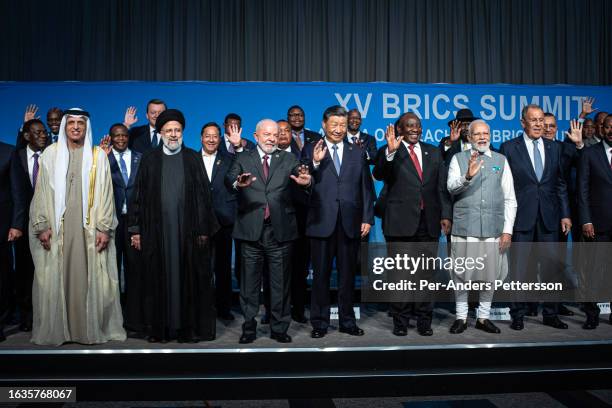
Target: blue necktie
x=155, y=140
x=336, y=159
x=537, y=160
x=123, y=166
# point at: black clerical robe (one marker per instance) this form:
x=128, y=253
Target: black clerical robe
x=177, y=279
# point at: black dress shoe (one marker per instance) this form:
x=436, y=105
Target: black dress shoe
x=554, y=322
x=318, y=333
x=247, y=338
x=424, y=329
x=226, y=316
x=610, y=318
x=591, y=323
x=487, y=326
x=299, y=318
x=280, y=337
x=531, y=313
x=25, y=327
x=459, y=326
x=353, y=331
x=265, y=319
x=564, y=311
x=399, y=330
x=517, y=324
x=154, y=339
x=2, y=337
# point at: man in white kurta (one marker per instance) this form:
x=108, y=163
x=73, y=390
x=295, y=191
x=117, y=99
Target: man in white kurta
x=484, y=210
x=72, y=218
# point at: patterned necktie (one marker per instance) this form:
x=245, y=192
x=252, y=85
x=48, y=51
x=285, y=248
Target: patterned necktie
x=336, y=159
x=266, y=172
x=123, y=166
x=354, y=139
x=35, y=170
x=155, y=139
x=537, y=160
x=230, y=148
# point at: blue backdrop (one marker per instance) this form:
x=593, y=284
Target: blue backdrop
x=379, y=103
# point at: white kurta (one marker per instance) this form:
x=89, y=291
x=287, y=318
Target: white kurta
x=103, y=310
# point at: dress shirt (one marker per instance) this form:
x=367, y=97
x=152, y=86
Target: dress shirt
x=417, y=151
x=299, y=135
x=464, y=146
x=529, y=144
x=608, y=150
x=127, y=157
x=209, y=163
x=456, y=183
x=350, y=136
x=30, y=154
x=331, y=152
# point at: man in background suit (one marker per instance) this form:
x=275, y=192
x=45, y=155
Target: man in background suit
x=301, y=135
x=594, y=199
x=417, y=206
x=124, y=164
x=12, y=224
x=458, y=139
x=355, y=136
x=341, y=212
x=25, y=163
x=232, y=138
x=216, y=165
x=541, y=193
x=264, y=178
x=144, y=138
x=54, y=119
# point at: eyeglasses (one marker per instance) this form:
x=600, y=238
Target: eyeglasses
x=535, y=121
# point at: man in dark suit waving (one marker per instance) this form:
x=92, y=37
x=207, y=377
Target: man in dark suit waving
x=144, y=138
x=266, y=226
x=341, y=212
x=541, y=194
x=418, y=205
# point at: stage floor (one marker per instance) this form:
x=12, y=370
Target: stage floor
x=377, y=327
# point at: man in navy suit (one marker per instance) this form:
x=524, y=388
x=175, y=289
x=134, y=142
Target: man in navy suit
x=25, y=163
x=301, y=135
x=217, y=164
x=144, y=138
x=355, y=136
x=418, y=206
x=594, y=199
x=541, y=193
x=124, y=164
x=233, y=142
x=54, y=119
x=341, y=212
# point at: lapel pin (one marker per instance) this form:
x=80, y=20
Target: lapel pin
x=426, y=153
x=277, y=155
x=218, y=162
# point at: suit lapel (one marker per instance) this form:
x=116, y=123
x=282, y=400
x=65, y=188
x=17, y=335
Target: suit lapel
x=275, y=159
x=403, y=151
x=426, y=166
x=254, y=155
x=115, y=170
x=133, y=169
x=547, y=159
x=524, y=155
x=23, y=155
x=604, y=158
x=347, y=156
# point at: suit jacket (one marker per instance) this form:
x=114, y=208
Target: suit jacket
x=546, y=198
x=570, y=158
x=595, y=188
x=276, y=191
x=21, y=176
x=311, y=137
x=122, y=192
x=140, y=139
x=13, y=206
x=223, y=197
x=448, y=154
x=405, y=190
x=349, y=195
x=368, y=143
x=223, y=149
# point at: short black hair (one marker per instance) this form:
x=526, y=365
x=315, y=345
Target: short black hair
x=156, y=102
x=110, y=129
x=294, y=107
x=209, y=124
x=335, y=110
x=549, y=115
x=56, y=110
x=29, y=123
x=232, y=116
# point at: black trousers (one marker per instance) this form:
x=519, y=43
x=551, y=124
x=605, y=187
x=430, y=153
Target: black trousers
x=277, y=257
x=402, y=312
x=323, y=251
x=134, y=278
x=521, y=270
x=222, y=264
x=590, y=308
x=6, y=266
x=24, y=279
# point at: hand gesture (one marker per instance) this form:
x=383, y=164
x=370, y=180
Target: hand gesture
x=318, y=154
x=445, y=225
x=102, y=240
x=14, y=234
x=365, y=229
x=587, y=107
x=45, y=239
x=235, y=135
x=566, y=225
x=455, y=130
x=474, y=165
x=303, y=178
x=30, y=113
x=130, y=116
x=244, y=180
x=105, y=144
x=393, y=142
x=588, y=231
x=135, y=241
x=504, y=242
x=575, y=133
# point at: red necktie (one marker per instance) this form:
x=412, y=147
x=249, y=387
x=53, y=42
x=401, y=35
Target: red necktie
x=417, y=166
x=266, y=171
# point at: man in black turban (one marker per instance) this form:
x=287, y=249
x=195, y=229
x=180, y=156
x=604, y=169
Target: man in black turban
x=171, y=220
